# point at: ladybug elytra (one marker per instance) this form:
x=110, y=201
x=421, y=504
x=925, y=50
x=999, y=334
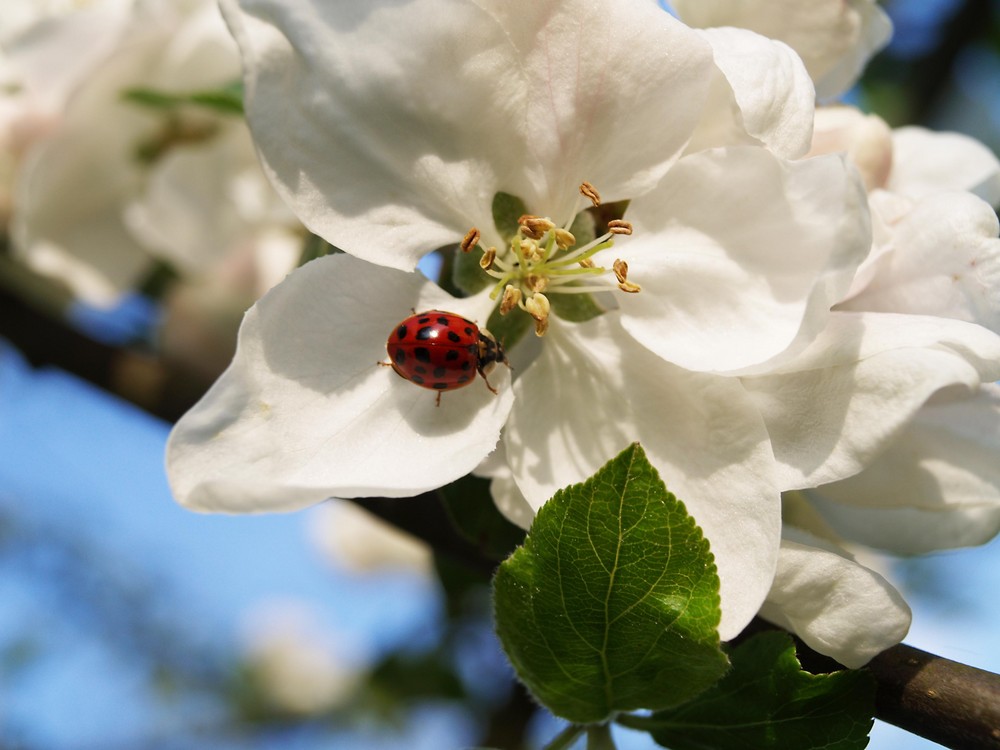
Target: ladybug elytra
x=442, y=351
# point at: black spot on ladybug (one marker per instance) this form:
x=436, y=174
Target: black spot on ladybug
x=425, y=333
x=468, y=331
x=417, y=379
x=452, y=336
x=466, y=365
x=443, y=321
x=451, y=356
x=464, y=378
x=401, y=333
x=422, y=354
x=440, y=386
x=421, y=370
x=423, y=320
x=439, y=372
x=400, y=356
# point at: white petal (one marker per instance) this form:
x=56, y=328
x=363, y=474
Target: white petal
x=187, y=212
x=390, y=127
x=838, y=607
x=926, y=162
x=66, y=219
x=305, y=412
x=911, y=531
x=831, y=411
x=593, y=391
x=945, y=260
x=866, y=139
x=504, y=490
x=762, y=90
x=834, y=37
x=740, y=256
x=941, y=472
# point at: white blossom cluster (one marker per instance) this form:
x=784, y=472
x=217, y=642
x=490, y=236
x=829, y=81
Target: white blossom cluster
x=798, y=311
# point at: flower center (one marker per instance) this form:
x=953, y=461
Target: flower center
x=543, y=258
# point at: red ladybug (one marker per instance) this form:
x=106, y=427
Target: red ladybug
x=442, y=351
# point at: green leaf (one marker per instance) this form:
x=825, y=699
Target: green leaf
x=510, y=328
x=583, y=228
x=768, y=701
x=507, y=209
x=575, y=307
x=470, y=508
x=612, y=604
x=314, y=247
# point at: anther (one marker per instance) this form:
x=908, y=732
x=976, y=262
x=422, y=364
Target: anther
x=511, y=296
x=586, y=263
x=564, y=238
x=619, y=226
x=621, y=273
x=488, y=257
x=590, y=193
x=470, y=240
x=535, y=227
x=621, y=270
x=538, y=308
x=536, y=283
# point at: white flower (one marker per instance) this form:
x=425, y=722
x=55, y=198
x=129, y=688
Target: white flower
x=350, y=537
x=834, y=38
x=837, y=606
x=297, y=666
x=390, y=130
x=936, y=253
x=46, y=51
x=175, y=183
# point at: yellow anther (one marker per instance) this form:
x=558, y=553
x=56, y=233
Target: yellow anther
x=511, y=296
x=488, y=257
x=538, y=307
x=470, y=240
x=586, y=263
x=536, y=283
x=564, y=239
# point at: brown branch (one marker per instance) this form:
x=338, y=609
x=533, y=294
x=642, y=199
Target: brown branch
x=953, y=704
x=947, y=702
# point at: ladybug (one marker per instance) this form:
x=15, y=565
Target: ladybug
x=442, y=351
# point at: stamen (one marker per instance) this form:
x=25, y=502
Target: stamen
x=470, y=240
x=619, y=226
x=534, y=227
x=564, y=238
x=590, y=192
x=511, y=298
x=538, y=307
x=621, y=273
x=621, y=270
x=536, y=283
x=488, y=257
x=586, y=263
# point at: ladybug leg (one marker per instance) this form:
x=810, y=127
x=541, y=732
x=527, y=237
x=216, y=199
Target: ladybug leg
x=485, y=380
x=437, y=402
x=384, y=364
